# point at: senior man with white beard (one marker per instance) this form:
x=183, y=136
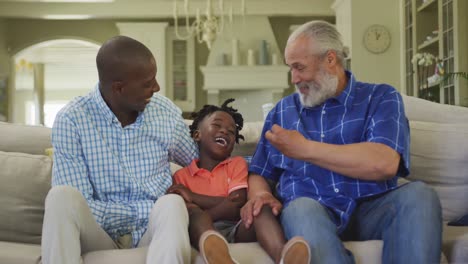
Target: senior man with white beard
x=332, y=152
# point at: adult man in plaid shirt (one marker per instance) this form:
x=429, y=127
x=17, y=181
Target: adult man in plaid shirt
x=112, y=150
x=333, y=152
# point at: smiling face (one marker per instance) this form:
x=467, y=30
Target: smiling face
x=139, y=87
x=216, y=136
x=309, y=73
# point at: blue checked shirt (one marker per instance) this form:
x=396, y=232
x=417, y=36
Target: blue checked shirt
x=121, y=172
x=361, y=113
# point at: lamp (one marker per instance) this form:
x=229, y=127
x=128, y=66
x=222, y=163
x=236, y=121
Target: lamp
x=207, y=27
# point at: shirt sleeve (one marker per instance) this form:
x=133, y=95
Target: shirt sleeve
x=179, y=176
x=183, y=148
x=70, y=169
x=238, y=174
x=266, y=156
x=389, y=126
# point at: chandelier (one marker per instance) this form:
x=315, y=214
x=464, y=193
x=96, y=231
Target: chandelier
x=205, y=27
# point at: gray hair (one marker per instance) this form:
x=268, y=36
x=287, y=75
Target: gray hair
x=324, y=34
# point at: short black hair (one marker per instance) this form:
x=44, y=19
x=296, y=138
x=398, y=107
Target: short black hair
x=119, y=55
x=210, y=109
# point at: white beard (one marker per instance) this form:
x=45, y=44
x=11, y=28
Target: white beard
x=319, y=90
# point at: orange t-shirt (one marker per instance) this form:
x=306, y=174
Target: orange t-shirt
x=228, y=176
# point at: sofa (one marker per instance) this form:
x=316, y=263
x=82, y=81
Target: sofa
x=439, y=153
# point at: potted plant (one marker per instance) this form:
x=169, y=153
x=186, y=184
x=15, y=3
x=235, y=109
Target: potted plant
x=430, y=76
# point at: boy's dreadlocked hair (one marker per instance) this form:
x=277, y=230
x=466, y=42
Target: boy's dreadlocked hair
x=209, y=109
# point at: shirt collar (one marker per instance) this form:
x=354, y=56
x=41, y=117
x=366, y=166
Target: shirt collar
x=345, y=98
x=195, y=170
x=108, y=114
x=101, y=104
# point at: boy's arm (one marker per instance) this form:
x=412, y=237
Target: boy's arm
x=205, y=202
x=229, y=207
x=219, y=208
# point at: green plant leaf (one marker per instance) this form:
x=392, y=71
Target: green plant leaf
x=455, y=75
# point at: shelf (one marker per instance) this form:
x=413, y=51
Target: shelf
x=429, y=4
x=428, y=43
x=432, y=85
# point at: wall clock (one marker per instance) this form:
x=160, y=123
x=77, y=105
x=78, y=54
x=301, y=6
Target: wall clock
x=377, y=39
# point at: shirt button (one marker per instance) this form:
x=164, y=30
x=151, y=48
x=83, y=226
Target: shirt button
x=337, y=190
x=322, y=135
x=323, y=112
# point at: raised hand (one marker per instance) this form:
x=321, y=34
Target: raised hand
x=288, y=142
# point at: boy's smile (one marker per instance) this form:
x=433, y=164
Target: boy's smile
x=222, y=141
x=216, y=136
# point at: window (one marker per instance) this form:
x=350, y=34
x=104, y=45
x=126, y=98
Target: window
x=51, y=109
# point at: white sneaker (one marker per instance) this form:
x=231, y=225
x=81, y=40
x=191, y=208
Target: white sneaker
x=296, y=251
x=214, y=248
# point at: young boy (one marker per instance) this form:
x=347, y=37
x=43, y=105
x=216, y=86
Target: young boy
x=214, y=188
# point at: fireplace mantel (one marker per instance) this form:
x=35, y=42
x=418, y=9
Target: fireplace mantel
x=270, y=77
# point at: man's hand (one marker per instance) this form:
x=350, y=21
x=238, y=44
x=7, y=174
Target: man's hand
x=182, y=191
x=288, y=142
x=254, y=205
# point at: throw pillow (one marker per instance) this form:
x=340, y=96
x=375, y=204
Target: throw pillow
x=24, y=183
x=439, y=155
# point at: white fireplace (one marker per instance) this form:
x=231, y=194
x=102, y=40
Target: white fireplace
x=251, y=86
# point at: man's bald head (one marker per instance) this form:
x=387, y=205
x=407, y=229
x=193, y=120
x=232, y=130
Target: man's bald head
x=119, y=56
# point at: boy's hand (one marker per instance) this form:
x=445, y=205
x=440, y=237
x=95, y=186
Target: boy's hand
x=254, y=205
x=182, y=191
x=234, y=197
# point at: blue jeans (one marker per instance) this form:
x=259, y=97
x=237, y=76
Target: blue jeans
x=407, y=219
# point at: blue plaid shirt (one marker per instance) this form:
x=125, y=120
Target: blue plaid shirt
x=121, y=172
x=361, y=113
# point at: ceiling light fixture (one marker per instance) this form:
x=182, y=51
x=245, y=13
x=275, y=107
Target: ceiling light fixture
x=205, y=27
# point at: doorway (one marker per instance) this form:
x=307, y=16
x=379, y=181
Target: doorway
x=50, y=74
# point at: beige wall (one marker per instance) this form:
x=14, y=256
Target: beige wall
x=4, y=61
x=22, y=33
x=376, y=68
x=4, y=69
x=201, y=58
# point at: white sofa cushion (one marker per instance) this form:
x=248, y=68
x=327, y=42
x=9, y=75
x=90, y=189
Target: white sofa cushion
x=455, y=243
x=19, y=253
x=439, y=157
x=25, y=181
x=367, y=252
x=24, y=138
x=418, y=109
